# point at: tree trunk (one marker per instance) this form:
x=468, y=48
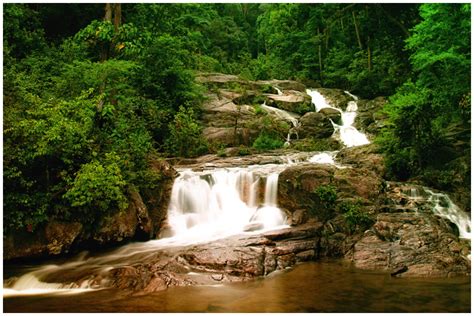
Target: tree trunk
x=108, y=12
x=117, y=16
x=357, y=30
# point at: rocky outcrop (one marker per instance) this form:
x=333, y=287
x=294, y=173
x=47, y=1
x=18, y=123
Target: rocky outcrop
x=230, y=116
x=409, y=240
x=55, y=238
x=292, y=101
x=236, y=258
x=140, y=221
x=387, y=230
x=316, y=125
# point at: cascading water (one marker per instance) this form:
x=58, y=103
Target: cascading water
x=206, y=206
x=348, y=134
x=445, y=208
x=278, y=91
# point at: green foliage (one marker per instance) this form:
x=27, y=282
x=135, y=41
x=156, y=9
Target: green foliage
x=266, y=141
x=186, y=138
x=97, y=189
x=327, y=196
x=424, y=109
x=355, y=218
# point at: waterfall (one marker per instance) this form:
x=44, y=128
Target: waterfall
x=445, y=208
x=278, y=91
x=205, y=206
x=348, y=134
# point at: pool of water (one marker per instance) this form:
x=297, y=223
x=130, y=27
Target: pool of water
x=330, y=286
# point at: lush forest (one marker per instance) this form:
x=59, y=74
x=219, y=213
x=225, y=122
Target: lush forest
x=92, y=92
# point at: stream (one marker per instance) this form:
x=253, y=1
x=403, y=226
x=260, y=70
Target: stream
x=328, y=286
x=213, y=204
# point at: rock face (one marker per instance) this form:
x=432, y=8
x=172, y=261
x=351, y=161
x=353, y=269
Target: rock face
x=402, y=237
x=141, y=220
x=411, y=241
x=55, y=238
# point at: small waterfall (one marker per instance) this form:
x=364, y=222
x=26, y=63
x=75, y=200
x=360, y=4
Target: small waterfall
x=445, y=208
x=348, y=134
x=278, y=91
x=271, y=190
x=220, y=203
x=286, y=116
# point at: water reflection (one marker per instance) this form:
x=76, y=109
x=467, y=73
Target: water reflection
x=309, y=287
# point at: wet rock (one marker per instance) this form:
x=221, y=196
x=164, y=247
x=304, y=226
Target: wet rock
x=332, y=114
x=336, y=97
x=316, y=125
x=417, y=242
x=365, y=156
x=157, y=195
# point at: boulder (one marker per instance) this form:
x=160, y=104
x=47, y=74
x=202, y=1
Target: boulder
x=332, y=114
x=315, y=125
x=336, y=97
x=292, y=101
x=156, y=196
x=369, y=116
x=230, y=136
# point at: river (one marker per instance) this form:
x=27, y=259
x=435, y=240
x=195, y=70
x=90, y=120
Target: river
x=327, y=286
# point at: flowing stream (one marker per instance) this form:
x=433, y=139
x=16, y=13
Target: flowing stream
x=213, y=204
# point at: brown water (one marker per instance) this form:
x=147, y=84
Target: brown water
x=310, y=287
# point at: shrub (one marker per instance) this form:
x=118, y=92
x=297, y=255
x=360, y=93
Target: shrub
x=266, y=141
x=354, y=217
x=243, y=151
x=327, y=196
x=97, y=189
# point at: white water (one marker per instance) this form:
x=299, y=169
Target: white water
x=323, y=158
x=278, y=91
x=445, y=208
x=221, y=203
x=348, y=134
